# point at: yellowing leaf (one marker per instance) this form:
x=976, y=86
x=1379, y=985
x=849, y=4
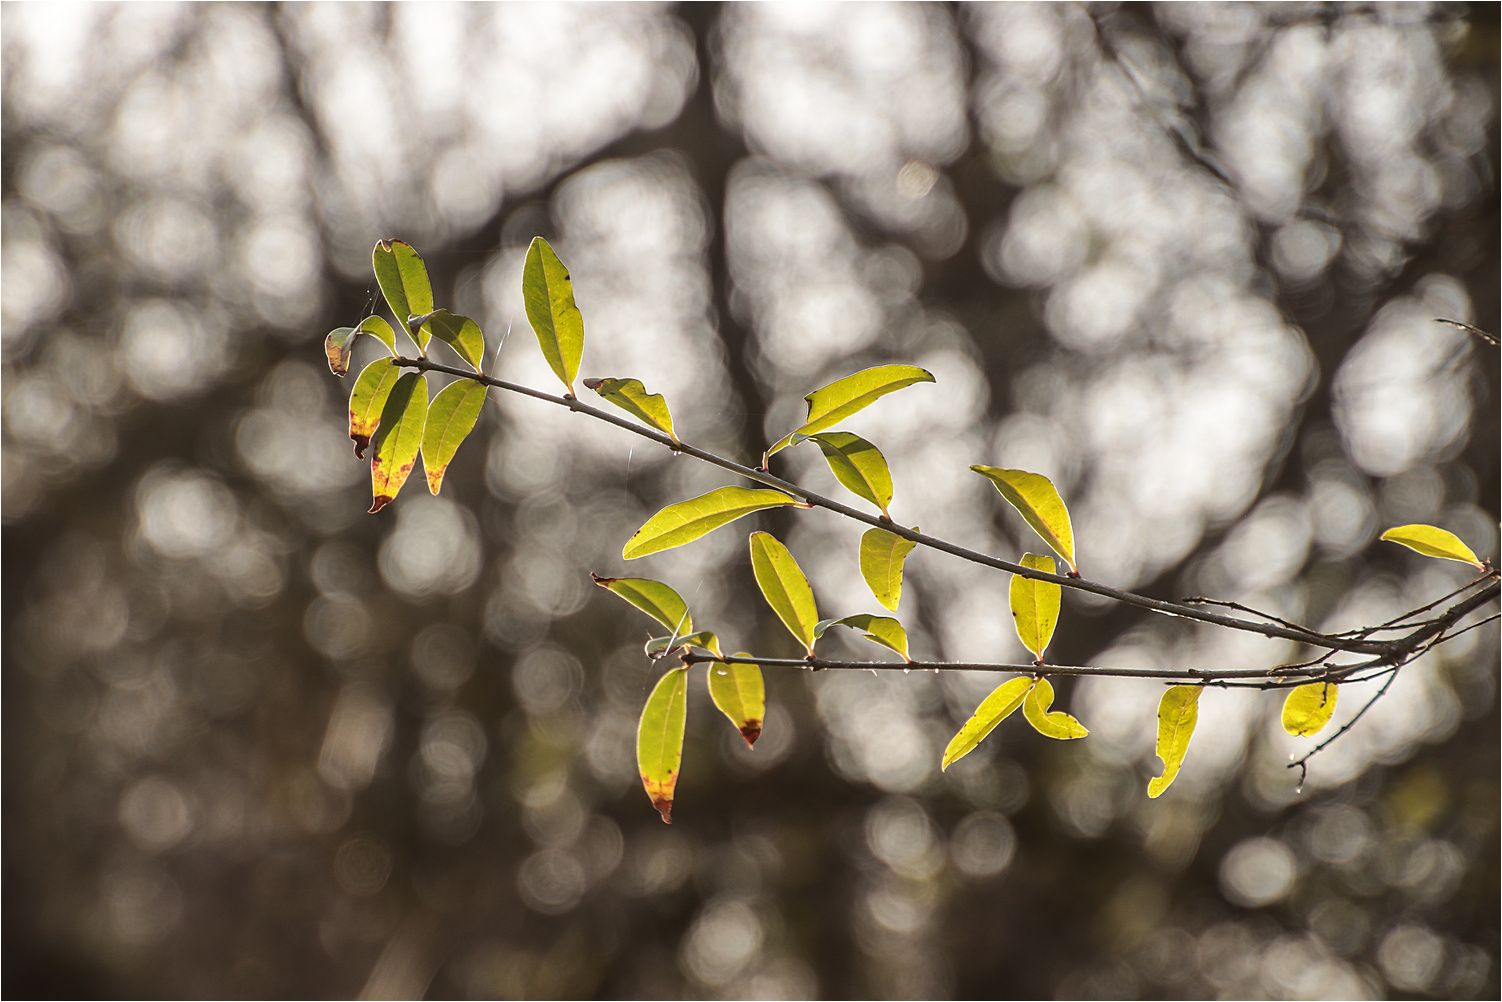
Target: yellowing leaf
x=1433, y=542
x=1308, y=708
x=785, y=588
x=995, y=708
x=654, y=598
x=404, y=282
x=459, y=333
x=659, y=739
x=368, y=398
x=451, y=417
x=1034, y=497
x=340, y=343
x=1035, y=605
x=630, y=395
x=856, y=463
x=1178, y=712
x=398, y=439
x=829, y=405
x=658, y=646
x=881, y=630
x=1057, y=724
x=740, y=693
x=686, y=521
x=548, y=294
x=882, y=556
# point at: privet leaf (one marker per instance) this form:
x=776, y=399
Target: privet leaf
x=829, y=405
x=451, y=417
x=630, y=395
x=741, y=694
x=1057, y=725
x=1034, y=497
x=367, y=399
x=686, y=521
x=856, y=463
x=659, y=739
x=704, y=638
x=881, y=630
x=1308, y=708
x=459, y=333
x=1178, y=712
x=1432, y=542
x=654, y=598
x=404, y=282
x=398, y=439
x=549, y=297
x=1035, y=605
x=785, y=588
x=995, y=708
x=341, y=343
x=882, y=555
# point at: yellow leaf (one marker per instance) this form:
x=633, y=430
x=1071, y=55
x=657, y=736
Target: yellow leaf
x=829, y=405
x=654, y=598
x=1034, y=497
x=1433, y=542
x=740, y=693
x=883, y=630
x=882, y=557
x=1057, y=725
x=403, y=279
x=785, y=588
x=398, y=438
x=1035, y=605
x=548, y=294
x=995, y=708
x=659, y=739
x=631, y=396
x=1308, y=708
x=686, y=521
x=451, y=417
x=1178, y=712
x=368, y=399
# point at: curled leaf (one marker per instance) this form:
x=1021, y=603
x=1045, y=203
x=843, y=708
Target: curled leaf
x=1057, y=724
x=341, y=343
x=881, y=630
x=1178, y=712
x=403, y=279
x=686, y=521
x=460, y=333
x=829, y=405
x=654, y=598
x=1035, y=605
x=995, y=708
x=785, y=588
x=1433, y=542
x=451, y=417
x=882, y=557
x=630, y=395
x=548, y=294
x=367, y=398
x=398, y=438
x=740, y=693
x=659, y=739
x=856, y=463
x=1309, y=708
x=658, y=646
x=1034, y=497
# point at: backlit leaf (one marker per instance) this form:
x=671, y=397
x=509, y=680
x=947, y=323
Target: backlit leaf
x=829, y=405
x=459, y=333
x=404, y=282
x=1033, y=495
x=368, y=398
x=398, y=439
x=659, y=739
x=1308, y=708
x=654, y=598
x=995, y=708
x=658, y=646
x=856, y=463
x=548, y=294
x=785, y=588
x=882, y=556
x=740, y=693
x=630, y=395
x=1057, y=724
x=1035, y=605
x=341, y=343
x=686, y=521
x=882, y=630
x=1178, y=712
x=451, y=417
x=1433, y=542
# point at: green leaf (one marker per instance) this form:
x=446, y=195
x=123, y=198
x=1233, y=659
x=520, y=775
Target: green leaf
x=1308, y=708
x=785, y=588
x=549, y=297
x=856, y=463
x=398, y=439
x=340, y=343
x=686, y=521
x=630, y=395
x=995, y=708
x=881, y=630
x=654, y=598
x=659, y=739
x=829, y=405
x=882, y=556
x=1035, y=605
x=459, y=333
x=658, y=646
x=1034, y=496
x=1178, y=712
x=404, y=282
x=1433, y=542
x=1057, y=725
x=740, y=693
x=368, y=398
x=451, y=417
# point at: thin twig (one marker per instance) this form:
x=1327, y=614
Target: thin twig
x=1302, y=763
x=1486, y=336
x=1201, y=600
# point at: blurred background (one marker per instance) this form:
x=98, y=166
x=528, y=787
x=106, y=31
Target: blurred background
x=1183, y=259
